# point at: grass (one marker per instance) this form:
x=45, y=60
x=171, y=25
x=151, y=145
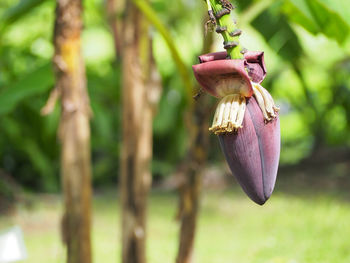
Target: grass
x=300, y=224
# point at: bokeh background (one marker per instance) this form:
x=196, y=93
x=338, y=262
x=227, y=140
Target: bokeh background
x=307, y=52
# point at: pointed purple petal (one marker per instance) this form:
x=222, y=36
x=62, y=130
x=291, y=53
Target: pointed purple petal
x=253, y=153
x=269, y=145
x=256, y=65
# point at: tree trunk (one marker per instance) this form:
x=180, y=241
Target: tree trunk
x=74, y=131
x=114, y=9
x=137, y=135
x=197, y=156
x=190, y=190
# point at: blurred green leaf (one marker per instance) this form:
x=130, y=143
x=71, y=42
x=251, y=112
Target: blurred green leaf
x=159, y=167
x=331, y=24
x=34, y=83
x=341, y=7
x=320, y=16
x=274, y=27
x=26, y=144
x=244, y=4
x=249, y=14
x=298, y=12
x=14, y=13
x=168, y=108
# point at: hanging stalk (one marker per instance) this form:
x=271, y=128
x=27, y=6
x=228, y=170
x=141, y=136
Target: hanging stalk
x=195, y=161
x=220, y=14
x=74, y=130
x=139, y=100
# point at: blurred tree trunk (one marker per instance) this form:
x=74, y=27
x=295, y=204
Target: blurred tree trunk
x=114, y=9
x=74, y=130
x=194, y=164
x=138, y=106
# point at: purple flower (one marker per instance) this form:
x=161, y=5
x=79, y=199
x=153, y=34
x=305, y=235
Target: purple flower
x=245, y=120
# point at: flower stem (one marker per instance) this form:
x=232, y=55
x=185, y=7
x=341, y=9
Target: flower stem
x=221, y=9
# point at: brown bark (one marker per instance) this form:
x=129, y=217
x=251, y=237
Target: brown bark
x=195, y=161
x=114, y=9
x=137, y=135
x=74, y=131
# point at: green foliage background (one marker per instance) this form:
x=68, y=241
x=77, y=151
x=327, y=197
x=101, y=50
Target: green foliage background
x=307, y=51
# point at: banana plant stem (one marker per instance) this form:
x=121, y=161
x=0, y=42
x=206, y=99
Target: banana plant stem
x=221, y=10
